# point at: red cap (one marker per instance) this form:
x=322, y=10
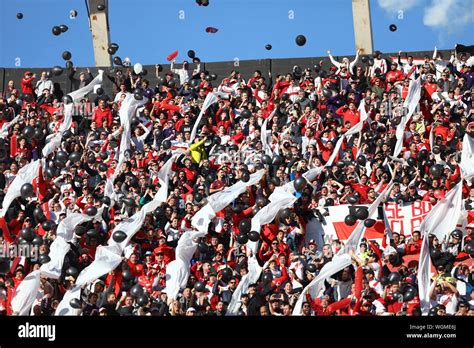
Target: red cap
x=172, y=56
x=28, y=73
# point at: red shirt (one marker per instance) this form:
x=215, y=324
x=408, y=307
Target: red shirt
x=100, y=116
x=349, y=116
x=27, y=85
x=393, y=76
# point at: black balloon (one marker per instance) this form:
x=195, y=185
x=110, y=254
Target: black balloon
x=245, y=176
x=300, y=40
x=48, y=225
x=268, y=47
x=91, y=159
x=38, y=240
x=275, y=181
x=311, y=268
x=136, y=291
x=369, y=222
x=80, y=230
x=364, y=59
x=352, y=199
x=99, y=91
x=261, y=202
x=384, y=281
x=409, y=293
x=394, y=277
x=285, y=213
x=38, y=214
x=62, y=156
x=28, y=234
x=227, y=273
x=101, y=7
x=75, y=303
x=254, y=236
x=102, y=167
x=203, y=248
x=362, y=213
x=300, y=183
x=469, y=247
x=245, y=113
x=75, y=157
x=63, y=28
x=91, y=211
x=436, y=171
x=127, y=275
x=28, y=132
x=244, y=225
x=117, y=60
x=242, y=238
x=199, y=286
x=350, y=220
x=276, y=161
x=138, y=95
x=191, y=54
x=198, y=197
x=66, y=55
x=266, y=159
x=19, y=15
x=26, y=190
x=267, y=277
x=167, y=144
x=397, y=296
x=411, y=161
x=171, y=83
x=393, y=27
x=119, y=236
x=329, y=202
x=56, y=30
x=362, y=160
x=72, y=271
x=38, y=135
x=143, y=300
x=92, y=233
x=44, y=258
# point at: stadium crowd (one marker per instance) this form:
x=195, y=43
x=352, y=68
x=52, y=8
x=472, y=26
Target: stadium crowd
x=307, y=111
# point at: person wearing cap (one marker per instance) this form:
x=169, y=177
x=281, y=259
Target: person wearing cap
x=27, y=82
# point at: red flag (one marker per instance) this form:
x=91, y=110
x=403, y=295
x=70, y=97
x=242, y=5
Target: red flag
x=172, y=56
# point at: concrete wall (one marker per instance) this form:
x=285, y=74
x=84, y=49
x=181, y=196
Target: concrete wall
x=222, y=69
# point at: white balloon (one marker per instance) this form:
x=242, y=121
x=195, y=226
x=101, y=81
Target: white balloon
x=138, y=68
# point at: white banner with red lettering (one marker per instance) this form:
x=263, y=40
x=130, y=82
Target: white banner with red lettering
x=403, y=219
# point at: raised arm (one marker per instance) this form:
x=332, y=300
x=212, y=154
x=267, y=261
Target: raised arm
x=333, y=61
x=354, y=62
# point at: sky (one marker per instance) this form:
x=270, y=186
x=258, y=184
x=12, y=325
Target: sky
x=149, y=30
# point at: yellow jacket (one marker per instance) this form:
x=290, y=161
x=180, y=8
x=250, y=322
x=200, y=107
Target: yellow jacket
x=197, y=152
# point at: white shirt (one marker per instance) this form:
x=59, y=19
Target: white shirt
x=185, y=74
